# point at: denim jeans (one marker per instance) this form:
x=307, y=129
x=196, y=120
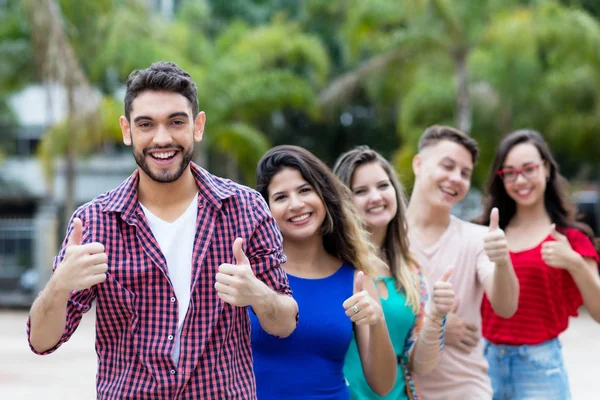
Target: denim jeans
x=528, y=372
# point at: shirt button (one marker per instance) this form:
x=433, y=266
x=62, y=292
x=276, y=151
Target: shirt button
x=173, y=372
x=170, y=337
x=173, y=299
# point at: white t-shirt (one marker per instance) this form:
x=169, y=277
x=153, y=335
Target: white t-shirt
x=458, y=375
x=176, y=241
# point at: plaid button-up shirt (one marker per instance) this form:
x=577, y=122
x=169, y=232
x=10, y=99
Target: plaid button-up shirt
x=136, y=307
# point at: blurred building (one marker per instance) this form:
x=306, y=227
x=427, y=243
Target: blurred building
x=30, y=206
x=164, y=7
x=31, y=217
x=588, y=207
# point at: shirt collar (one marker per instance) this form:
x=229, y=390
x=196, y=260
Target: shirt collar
x=211, y=190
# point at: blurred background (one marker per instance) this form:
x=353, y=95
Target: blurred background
x=323, y=74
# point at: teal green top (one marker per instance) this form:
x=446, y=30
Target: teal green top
x=400, y=321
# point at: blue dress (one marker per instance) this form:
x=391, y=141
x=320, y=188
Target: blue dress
x=309, y=363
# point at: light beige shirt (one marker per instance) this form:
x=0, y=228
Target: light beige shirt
x=458, y=375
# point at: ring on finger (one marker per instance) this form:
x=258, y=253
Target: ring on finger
x=355, y=309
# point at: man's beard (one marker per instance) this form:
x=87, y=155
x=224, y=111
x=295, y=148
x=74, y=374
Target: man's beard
x=163, y=176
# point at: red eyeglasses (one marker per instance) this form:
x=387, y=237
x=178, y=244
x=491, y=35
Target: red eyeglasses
x=511, y=174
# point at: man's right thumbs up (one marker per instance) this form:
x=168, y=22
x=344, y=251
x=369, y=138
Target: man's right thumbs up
x=447, y=274
x=83, y=265
x=443, y=295
x=76, y=233
x=495, y=244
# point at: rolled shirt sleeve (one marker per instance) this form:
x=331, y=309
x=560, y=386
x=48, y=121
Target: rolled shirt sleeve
x=265, y=249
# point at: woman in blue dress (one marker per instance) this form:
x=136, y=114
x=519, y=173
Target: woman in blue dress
x=329, y=265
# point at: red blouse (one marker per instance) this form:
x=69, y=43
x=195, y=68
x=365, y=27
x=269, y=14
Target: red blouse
x=548, y=297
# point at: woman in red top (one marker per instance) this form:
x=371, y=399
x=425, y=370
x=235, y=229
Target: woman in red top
x=555, y=261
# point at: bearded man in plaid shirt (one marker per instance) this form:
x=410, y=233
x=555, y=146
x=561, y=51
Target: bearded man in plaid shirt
x=174, y=257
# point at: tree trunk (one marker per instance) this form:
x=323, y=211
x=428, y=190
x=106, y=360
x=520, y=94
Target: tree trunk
x=57, y=64
x=463, y=116
x=51, y=174
x=70, y=156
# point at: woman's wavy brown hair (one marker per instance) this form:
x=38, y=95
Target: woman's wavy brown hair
x=343, y=235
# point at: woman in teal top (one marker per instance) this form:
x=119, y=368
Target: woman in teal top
x=417, y=336
x=399, y=328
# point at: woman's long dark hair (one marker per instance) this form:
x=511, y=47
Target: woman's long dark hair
x=558, y=205
x=343, y=235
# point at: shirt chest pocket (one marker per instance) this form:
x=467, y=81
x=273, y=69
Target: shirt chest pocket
x=117, y=314
x=134, y=273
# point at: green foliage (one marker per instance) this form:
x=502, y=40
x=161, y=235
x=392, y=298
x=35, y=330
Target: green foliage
x=244, y=142
x=530, y=64
x=243, y=74
x=90, y=137
x=17, y=66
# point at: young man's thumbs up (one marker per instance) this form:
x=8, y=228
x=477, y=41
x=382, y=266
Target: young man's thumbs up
x=84, y=265
x=443, y=295
x=75, y=237
x=495, y=244
x=238, y=252
x=494, y=219
x=236, y=283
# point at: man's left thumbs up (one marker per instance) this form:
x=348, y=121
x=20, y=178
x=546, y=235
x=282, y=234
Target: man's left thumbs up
x=236, y=283
x=495, y=244
x=238, y=252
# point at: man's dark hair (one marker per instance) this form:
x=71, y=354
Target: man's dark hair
x=436, y=133
x=161, y=76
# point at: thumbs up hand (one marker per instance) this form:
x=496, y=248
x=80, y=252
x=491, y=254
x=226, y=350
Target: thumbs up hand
x=236, y=283
x=361, y=307
x=84, y=265
x=359, y=282
x=495, y=245
x=443, y=296
x=559, y=253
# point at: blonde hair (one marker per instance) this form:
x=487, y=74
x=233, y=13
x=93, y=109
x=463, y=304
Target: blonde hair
x=403, y=266
x=359, y=251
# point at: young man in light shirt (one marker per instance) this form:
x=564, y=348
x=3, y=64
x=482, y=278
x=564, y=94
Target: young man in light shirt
x=479, y=255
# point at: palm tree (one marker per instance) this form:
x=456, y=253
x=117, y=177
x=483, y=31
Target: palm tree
x=548, y=79
x=253, y=73
x=244, y=75
x=395, y=34
x=57, y=63
x=16, y=54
